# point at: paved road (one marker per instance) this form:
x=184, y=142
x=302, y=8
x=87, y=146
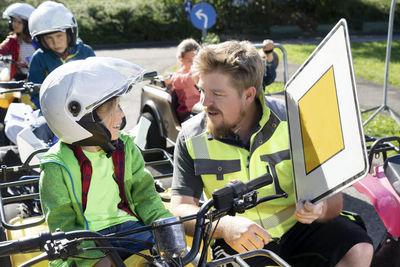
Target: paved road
x=162, y=59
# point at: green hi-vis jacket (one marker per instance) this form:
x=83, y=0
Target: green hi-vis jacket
x=218, y=163
x=61, y=194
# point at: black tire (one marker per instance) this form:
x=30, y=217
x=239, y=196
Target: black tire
x=153, y=139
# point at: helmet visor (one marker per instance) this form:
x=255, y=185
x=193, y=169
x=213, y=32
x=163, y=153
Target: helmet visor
x=133, y=74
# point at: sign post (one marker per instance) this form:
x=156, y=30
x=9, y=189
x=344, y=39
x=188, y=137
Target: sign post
x=203, y=17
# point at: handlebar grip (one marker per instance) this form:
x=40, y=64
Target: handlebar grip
x=7, y=248
x=24, y=245
x=149, y=75
x=30, y=244
x=14, y=84
x=259, y=182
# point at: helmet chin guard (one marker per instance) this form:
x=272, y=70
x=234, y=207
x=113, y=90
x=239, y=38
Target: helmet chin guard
x=101, y=136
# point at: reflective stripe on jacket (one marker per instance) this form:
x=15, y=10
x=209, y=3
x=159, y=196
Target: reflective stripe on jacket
x=218, y=163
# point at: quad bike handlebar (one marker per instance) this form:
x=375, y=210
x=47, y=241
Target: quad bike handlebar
x=19, y=86
x=235, y=197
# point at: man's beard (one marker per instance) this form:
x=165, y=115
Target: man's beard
x=224, y=129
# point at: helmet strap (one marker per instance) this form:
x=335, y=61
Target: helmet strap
x=71, y=36
x=110, y=148
x=10, y=25
x=123, y=123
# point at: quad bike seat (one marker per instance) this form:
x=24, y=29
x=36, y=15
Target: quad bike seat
x=392, y=171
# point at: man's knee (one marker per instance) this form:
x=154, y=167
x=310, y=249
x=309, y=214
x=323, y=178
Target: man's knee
x=359, y=255
x=362, y=249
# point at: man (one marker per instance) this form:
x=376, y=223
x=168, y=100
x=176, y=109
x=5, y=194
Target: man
x=239, y=137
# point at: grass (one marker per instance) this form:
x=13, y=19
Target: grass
x=369, y=63
x=275, y=87
x=368, y=59
x=381, y=125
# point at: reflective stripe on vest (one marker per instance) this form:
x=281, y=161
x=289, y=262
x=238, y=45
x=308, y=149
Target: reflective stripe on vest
x=217, y=163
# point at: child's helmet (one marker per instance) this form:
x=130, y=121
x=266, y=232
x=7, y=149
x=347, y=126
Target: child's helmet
x=51, y=17
x=18, y=10
x=71, y=93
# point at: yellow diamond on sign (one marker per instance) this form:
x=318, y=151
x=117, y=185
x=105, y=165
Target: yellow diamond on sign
x=320, y=124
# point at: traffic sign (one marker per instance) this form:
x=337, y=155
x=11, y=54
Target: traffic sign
x=203, y=16
x=326, y=134
x=187, y=7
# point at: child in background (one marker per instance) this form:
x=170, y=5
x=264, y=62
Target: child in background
x=55, y=30
x=182, y=82
x=18, y=43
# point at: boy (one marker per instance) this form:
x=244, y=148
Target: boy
x=55, y=30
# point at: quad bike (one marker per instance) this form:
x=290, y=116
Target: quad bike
x=158, y=106
x=382, y=187
x=5, y=99
x=21, y=216
x=13, y=96
x=20, y=210
x=170, y=247
x=18, y=115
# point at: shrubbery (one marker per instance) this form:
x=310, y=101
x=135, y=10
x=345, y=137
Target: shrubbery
x=125, y=21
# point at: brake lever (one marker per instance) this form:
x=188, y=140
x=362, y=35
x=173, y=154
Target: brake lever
x=268, y=198
x=62, y=249
x=240, y=205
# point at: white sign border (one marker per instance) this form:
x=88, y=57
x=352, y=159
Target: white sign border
x=309, y=186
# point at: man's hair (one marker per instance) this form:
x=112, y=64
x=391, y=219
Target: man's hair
x=185, y=46
x=239, y=60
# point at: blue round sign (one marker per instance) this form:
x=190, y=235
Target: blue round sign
x=203, y=16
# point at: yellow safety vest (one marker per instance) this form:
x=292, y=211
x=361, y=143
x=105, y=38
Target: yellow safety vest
x=218, y=163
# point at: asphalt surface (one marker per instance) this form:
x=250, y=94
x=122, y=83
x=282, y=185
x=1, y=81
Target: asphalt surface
x=161, y=58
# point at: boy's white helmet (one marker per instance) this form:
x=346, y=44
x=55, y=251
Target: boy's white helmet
x=18, y=10
x=51, y=17
x=71, y=93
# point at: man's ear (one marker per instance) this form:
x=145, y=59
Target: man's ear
x=249, y=94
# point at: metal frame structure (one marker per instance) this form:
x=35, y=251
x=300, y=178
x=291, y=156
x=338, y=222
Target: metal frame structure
x=384, y=105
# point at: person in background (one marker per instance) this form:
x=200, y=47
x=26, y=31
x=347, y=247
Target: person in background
x=18, y=43
x=55, y=30
x=240, y=137
x=94, y=178
x=267, y=54
x=182, y=85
